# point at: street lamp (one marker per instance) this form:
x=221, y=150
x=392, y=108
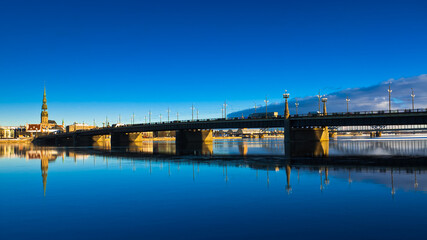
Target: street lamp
x=168, y=113
x=266, y=103
x=347, y=100
x=413, y=96
x=192, y=112
x=160, y=118
x=296, y=105
x=389, y=97
x=319, y=97
x=225, y=110
x=324, y=100
x=255, y=107
x=149, y=116
x=286, y=96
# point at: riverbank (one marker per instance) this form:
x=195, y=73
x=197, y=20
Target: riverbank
x=16, y=140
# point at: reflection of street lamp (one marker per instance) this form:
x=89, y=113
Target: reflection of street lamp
x=389, y=97
x=286, y=96
x=324, y=100
x=413, y=96
x=347, y=100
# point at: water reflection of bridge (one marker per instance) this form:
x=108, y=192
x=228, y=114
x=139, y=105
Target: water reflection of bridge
x=380, y=147
x=151, y=157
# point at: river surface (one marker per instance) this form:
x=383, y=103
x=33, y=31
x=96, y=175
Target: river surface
x=231, y=189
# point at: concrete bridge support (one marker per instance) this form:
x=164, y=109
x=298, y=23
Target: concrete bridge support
x=193, y=136
x=124, y=139
x=100, y=138
x=375, y=134
x=309, y=134
x=306, y=142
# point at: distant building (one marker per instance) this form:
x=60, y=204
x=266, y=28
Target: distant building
x=79, y=127
x=246, y=132
x=7, y=132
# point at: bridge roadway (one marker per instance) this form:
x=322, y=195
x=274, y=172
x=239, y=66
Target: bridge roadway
x=296, y=121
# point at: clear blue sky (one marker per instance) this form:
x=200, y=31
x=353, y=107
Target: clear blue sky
x=103, y=58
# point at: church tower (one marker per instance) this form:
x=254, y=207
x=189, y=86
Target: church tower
x=44, y=115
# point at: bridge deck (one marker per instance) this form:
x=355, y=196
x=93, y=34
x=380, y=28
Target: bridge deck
x=353, y=119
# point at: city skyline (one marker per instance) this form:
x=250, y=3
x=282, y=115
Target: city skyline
x=102, y=59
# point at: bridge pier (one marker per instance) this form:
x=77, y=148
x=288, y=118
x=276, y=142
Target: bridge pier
x=375, y=134
x=306, y=142
x=193, y=136
x=124, y=139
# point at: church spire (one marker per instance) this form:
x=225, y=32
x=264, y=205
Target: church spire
x=44, y=106
x=44, y=114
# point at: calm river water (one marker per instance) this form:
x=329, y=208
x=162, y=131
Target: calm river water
x=230, y=189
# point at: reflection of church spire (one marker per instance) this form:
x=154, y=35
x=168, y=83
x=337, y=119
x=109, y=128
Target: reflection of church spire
x=44, y=167
x=288, y=179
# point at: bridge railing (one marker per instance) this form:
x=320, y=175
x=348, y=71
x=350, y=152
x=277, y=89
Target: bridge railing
x=382, y=112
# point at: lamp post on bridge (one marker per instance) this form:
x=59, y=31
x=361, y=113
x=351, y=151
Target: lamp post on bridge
x=413, y=96
x=296, y=106
x=225, y=109
x=255, y=107
x=192, y=112
x=160, y=118
x=389, y=97
x=286, y=96
x=347, y=100
x=168, y=113
x=324, y=100
x=177, y=116
x=266, y=103
x=149, y=116
x=319, y=97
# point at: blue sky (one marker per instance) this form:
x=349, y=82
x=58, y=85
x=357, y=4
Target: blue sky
x=105, y=58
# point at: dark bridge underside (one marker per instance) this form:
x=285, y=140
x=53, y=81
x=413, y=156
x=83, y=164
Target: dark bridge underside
x=295, y=122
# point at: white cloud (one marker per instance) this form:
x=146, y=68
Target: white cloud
x=362, y=99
